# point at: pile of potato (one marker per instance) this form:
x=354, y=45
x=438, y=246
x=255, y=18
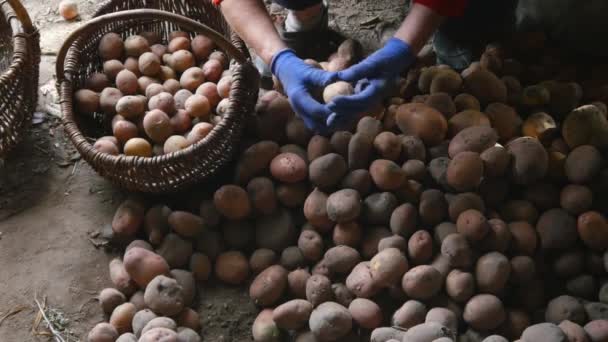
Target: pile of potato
x=160, y=98
x=471, y=207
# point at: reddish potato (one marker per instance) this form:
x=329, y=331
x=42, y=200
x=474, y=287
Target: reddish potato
x=232, y=267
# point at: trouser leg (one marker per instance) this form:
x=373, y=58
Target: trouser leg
x=459, y=39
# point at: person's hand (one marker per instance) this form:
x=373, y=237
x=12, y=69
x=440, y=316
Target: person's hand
x=373, y=77
x=298, y=80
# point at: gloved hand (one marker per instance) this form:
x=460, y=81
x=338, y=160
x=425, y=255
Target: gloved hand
x=299, y=79
x=373, y=77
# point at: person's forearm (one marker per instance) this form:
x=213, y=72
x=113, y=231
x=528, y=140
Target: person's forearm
x=252, y=23
x=419, y=25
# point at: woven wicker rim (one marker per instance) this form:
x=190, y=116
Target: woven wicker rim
x=23, y=32
x=65, y=85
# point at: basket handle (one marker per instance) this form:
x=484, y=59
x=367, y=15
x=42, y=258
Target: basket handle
x=21, y=14
x=135, y=14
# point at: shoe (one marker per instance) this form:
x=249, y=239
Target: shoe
x=457, y=56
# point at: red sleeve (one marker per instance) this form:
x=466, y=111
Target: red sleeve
x=446, y=8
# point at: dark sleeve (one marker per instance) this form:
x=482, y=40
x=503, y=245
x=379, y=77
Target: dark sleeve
x=446, y=8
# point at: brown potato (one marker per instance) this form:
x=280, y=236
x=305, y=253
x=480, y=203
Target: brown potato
x=339, y=88
x=360, y=148
x=108, y=99
x=210, y=91
x=158, y=49
x=292, y=315
x=224, y=86
x=178, y=43
x=472, y=139
x=111, y=68
x=200, y=265
x=288, y=168
x=232, y=202
x=232, y=267
x=422, y=121
x=348, y=234
x=496, y=161
x=153, y=90
x=583, y=164
x=541, y=126
x=264, y=328
x=344, y=206
x=465, y=171
x=473, y=225
x=188, y=320
x=136, y=45
x=296, y=281
x=359, y=180
x=524, y=239
x=262, y=195
x=388, y=266
x=433, y=207
x=149, y=64
x=387, y=145
x=365, y=313
x=109, y=299
x=122, y=316
x=173, y=87
x=132, y=64
x=126, y=82
x=330, y=321
x=254, y=160
x=360, y=281
x=202, y=47
x=157, y=125
x=212, y=70
x=197, y=106
x=102, y=332
x=530, y=160
x=485, y=86
x=556, y=229
x=158, y=334
x=492, y=272
x=576, y=199
x=318, y=290
x=175, y=250
x=106, y=146
x=447, y=81
x=387, y=175
x=143, y=265
x=192, y=78
x=128, y=218
x=564, y=308
x=460, y=286
x=199, y=132
x=466, y=119
x=593, y=230
x=484, y=312
x=164, y=102
x=410, y=314
x=341, y=259
x=586, y=125
x=420, y=247
x=131, y=107
x=318, y=146
x=181, y=122
x=504, y=120
x=422, y=282
x=181, y=60
x=466, y=101
x=141, y=319
x=325, y=172
x=541, y=331
x=268, y=287
x=97, y=82
x=138, y=147
x=111, y=46
x=311, y=245
x=441, y=102
x=403, y=220
x=458, y=251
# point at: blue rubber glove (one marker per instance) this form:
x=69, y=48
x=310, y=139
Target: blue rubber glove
x=299, y=79
x=373, y=77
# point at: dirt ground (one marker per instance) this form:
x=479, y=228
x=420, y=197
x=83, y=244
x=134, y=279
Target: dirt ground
x=53, y=207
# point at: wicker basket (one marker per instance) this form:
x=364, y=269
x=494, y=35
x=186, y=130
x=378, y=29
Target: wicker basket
x=167, y=173
x=19, y=62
